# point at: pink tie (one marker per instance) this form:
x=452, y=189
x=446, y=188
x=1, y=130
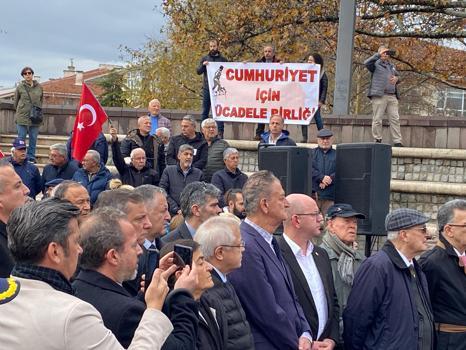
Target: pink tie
x=463, y=262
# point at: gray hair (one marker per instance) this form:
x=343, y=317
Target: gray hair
x=95, y=155
x=185, y=147
x=447, y=211
x=33, y=226
x=100, y=233
x=61, y=190
x=208, y=121
x=391, y=235
x=61, y=148
x=256, y=188
x=216, y=231
x=134, y=151
x=190, y=118
x=164, y=131
x=4, y=163
x=228, y=152
x=196, y=193
x=118, y=199
x=148, y=193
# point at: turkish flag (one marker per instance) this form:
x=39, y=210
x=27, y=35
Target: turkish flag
x=88, y=123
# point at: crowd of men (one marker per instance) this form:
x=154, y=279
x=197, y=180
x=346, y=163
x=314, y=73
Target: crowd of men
x=93, y=267
x=245, y=287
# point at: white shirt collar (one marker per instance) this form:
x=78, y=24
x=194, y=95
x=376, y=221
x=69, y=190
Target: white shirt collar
x=405, y=259
x=296, y=249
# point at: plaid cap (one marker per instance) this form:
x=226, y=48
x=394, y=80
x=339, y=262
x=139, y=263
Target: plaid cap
x=404, y=218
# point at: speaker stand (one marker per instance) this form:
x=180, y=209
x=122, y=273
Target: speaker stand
x=368, y=246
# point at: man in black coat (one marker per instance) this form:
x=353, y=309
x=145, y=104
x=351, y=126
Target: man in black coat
x=310, y=269
x=213, y=56
x=191, y=137
x=137, y=173
x=221, y=243
x=210, y=334
x=13, y=194
x=199, y=202
x=110, y=256
x=230, y=176
x=151, y=144
x=445, y=270
x=176, y=177
x=60, y=167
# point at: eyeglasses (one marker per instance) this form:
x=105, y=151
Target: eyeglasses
x=241, y=245
x=457, y=225
x=27, y=73
x=423, y=230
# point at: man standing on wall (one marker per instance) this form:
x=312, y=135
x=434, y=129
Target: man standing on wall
x=384, y=94
x=213, y=56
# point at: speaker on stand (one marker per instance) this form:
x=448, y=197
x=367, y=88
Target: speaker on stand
x=362, y=179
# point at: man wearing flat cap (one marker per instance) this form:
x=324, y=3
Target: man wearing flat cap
x=338, y=241
x=323, y=170
x=389, y=306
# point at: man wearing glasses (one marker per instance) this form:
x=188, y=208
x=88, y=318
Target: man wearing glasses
x=389, y=305
x=445, y=269
x=222, y=246
x=310, y=268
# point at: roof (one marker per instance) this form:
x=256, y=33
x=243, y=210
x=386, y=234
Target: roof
x=68, y=85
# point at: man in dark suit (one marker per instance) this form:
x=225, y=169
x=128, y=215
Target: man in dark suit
x=131, y=203
x=263, y=282
x=199, y=201
x=310, y=269
x=110, y=257
x=13, y=194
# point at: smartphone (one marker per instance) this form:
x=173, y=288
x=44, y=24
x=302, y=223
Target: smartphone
x=152, y=261
x=183, y=255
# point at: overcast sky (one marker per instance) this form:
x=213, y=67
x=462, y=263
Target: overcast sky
x=45, y=34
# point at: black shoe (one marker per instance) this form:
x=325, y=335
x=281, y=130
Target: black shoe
x=378, y=140
x=398, y=145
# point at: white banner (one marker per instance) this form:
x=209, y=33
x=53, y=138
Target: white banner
x=253, y=92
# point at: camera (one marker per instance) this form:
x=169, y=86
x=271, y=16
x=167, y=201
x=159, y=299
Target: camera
x=391, y=53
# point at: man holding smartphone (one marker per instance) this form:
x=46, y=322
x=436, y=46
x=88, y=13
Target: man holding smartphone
x=384, y=94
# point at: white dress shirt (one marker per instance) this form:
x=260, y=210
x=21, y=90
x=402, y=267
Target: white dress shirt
x=310, y=271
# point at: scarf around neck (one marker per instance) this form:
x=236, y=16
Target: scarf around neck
x=346, y=257
x=52, y=277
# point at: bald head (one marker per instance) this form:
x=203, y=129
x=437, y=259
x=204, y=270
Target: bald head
x=304, y=220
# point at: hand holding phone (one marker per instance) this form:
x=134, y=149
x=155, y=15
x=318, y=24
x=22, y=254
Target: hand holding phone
x=183, y=255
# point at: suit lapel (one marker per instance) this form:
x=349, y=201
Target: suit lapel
x=184, y=232
x=325, y=274
x=294, y=266
x=268, y=251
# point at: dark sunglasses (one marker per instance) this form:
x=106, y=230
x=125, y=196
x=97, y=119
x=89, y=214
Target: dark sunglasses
x=27, y=73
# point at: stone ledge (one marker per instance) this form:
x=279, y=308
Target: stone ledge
x=427, y=187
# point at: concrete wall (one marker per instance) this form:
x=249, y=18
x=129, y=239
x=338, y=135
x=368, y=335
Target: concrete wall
x=430, y=132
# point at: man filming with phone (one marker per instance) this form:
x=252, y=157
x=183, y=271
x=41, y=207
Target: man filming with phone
x=110, y=257
x=384, y=94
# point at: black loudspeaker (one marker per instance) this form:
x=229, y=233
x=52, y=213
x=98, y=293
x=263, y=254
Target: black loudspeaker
x=290, y=164
x=362, y=179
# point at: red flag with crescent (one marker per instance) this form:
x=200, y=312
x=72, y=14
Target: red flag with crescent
x=88, y=123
